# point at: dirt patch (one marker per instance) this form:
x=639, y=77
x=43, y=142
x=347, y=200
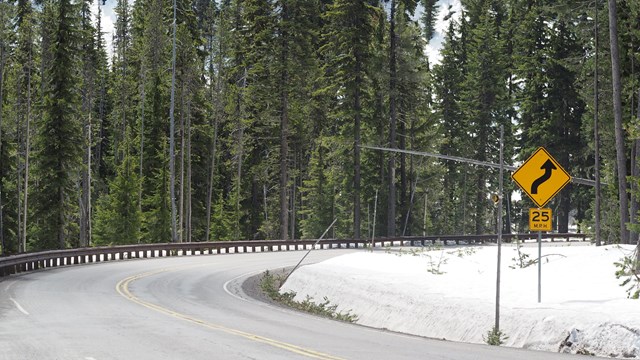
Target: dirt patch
x=251, y=287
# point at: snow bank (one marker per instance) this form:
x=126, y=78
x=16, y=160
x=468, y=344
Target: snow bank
x=450, y=293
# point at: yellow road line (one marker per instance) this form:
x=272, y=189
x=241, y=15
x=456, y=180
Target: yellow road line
x=123, y=289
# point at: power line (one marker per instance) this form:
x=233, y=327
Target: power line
x=576, y=180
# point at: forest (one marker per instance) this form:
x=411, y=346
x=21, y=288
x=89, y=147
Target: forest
x=249, y=119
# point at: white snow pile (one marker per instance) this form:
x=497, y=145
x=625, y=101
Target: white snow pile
x=449, y=293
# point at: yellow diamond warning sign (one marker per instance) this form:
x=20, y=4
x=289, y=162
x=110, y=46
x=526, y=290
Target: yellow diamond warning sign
x=541, y=177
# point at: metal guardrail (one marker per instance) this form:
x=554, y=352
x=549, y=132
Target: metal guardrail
x=55, y=258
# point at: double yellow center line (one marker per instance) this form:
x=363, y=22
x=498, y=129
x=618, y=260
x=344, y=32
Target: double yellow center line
x=123, y=289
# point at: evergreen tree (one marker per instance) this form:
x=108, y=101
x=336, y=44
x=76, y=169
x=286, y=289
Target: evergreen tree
x=90, y=62
x=118, y=216
x=565, y=111
x=6, y=245
x=485, y=98
x=429, y=17
x=58, y=139
x=25, y=56
x=448, y=79
x=348, y=32
x=418, y=130
x=621, y=157
x=151, y=46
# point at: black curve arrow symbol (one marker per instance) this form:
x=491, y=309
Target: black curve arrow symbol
x=548, y=168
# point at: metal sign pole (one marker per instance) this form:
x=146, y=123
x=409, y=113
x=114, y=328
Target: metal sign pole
x=539, y=266
x=497, y=325
x=375, y=212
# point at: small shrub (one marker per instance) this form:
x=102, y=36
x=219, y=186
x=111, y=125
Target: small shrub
x=462, y=252
x=436, y=264
x=627, y=270
x=522, y=259
x=270, y=284
x=495, y=337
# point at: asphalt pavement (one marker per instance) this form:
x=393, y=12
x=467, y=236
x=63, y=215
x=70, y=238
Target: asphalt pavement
x=193, y=308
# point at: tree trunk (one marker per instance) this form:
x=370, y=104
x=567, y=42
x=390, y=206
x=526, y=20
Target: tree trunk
x=635, y=173
x=633, y=211
x=633, y=234
x=21, y=248
x=212, y=167
x=181, y=215
x=284, y=129
x=172, y=145
x=637, y=239
x=356, y=147
x=61, y=205
x=564, y=207
x=480, y=199
x=596, y=135
x=2, y=240
x=143, y=92
x=123, y=89
x=87, y=106
x=188, y=195
x=507, y=223
x=621, y=160
x=240, y=153
x=215, y=99
x=391, y=205
x=292, y=221
x=404, y=181
x=26, y=156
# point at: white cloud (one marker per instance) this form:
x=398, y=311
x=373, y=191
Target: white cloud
x=432, y=50
x=441, y=26
x=108, y=19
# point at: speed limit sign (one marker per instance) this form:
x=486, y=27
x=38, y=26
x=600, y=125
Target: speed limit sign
x=540, y=219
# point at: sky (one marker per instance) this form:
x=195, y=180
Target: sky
x=432, y=50
x=108, y=20
x=434, y=46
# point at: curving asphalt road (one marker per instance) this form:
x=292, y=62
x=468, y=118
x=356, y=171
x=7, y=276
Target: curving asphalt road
x=192, y=308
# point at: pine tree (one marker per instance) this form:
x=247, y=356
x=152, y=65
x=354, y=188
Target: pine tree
x=118, y=217
x=5, y=9
x=215, y=41
x=348, y=32
x=485, y=104
x=621, y=158
x=429, y=17
x=59, y=139
x=448, y=79
x=90, y=62
x=565, y=110
x=151, y=46
x=417, y=127
x=26, y=53
x=318, y=192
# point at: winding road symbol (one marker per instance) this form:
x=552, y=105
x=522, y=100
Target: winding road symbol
x=541, y=187
x=548, y=168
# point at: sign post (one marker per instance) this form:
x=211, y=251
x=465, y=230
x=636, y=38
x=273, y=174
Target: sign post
x=541, y=177
x=539, y=267
x=540, y=220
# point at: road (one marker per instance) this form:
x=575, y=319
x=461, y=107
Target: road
x=192, y=308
